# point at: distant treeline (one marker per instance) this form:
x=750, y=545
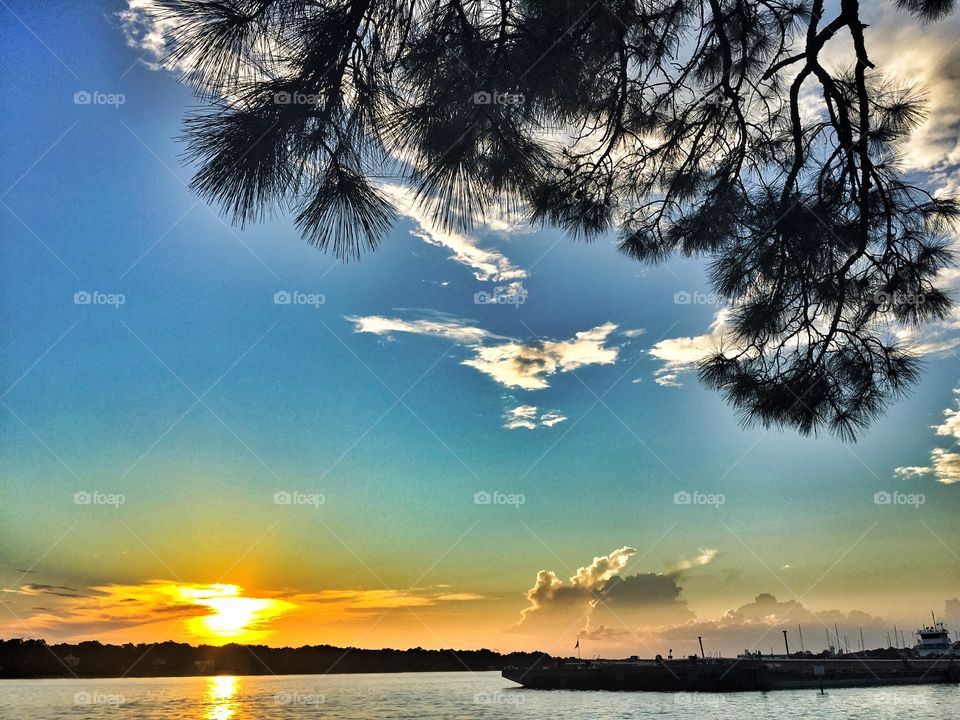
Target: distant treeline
x=36, y=659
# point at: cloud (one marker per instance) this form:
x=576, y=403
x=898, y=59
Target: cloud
x=944, y=463
x=706, y=556
x=951, y=609
x=527, y=365
x=451, y=329
x=601, y=603
x=487, y=265
x=926, y=55
x=509, y=362
x=151, y=32
x=758, y=625
x=144, y=30
x=551, y=418
x=525, y=416
x=682, y=354
x=39, y=589
x=549, y=588
x=212, y=613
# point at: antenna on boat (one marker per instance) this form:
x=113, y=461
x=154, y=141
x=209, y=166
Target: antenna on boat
x=934, y=619
x=896, y=641
x=700, y=638
x=800, y=630
x=888, y=639
x=786, y=645
x=836, y=631
x=862, y=648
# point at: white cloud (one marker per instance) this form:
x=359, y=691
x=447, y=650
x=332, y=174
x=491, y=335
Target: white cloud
x=551, y=418
x=526, y=417
x=944, y=463
x=145, y=31
x=926, y=55
x=514, y=363
x=706, y=556
x=522, y=416
x=527, y=365
x=601, y=603
x=682, y=354
x=451, y=329
x=487, y=265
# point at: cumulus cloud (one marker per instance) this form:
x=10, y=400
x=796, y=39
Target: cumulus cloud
x=944, y=463
x=509, y=362
x=144, y=30
x=600, y=602
x=528, y=418
x=926, y=55
x=757, y=625
x=527, y=365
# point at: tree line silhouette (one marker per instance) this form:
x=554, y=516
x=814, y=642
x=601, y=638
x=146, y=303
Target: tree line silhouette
x=21, y=658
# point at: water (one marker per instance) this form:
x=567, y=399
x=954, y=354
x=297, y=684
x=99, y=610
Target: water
x=438, y=695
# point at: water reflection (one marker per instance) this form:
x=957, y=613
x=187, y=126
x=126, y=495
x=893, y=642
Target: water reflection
x=221, y=694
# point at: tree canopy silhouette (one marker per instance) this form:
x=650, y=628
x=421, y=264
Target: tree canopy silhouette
x=711, y=128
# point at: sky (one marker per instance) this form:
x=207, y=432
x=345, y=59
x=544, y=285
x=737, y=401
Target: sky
x=212, y=433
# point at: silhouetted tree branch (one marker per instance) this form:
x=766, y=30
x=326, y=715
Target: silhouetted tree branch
x=711, y=128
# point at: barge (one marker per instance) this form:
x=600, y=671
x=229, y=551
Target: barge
x=934, y=660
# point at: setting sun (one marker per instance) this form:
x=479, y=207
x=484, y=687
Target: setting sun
x=230, y=615
x=233, y=616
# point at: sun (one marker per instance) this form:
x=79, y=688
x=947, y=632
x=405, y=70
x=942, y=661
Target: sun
x=229, y=615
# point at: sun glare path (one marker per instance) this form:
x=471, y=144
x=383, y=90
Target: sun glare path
x=221, y=691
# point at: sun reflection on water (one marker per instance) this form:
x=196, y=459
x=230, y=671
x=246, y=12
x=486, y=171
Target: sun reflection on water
x=221, y=692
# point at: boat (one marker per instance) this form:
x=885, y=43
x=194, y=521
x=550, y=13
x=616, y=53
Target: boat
x=932, y=661
x=934, y=641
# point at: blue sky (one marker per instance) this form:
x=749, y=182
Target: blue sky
x=199, y=397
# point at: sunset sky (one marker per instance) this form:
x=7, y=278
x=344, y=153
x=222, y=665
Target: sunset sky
x=187, y=456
